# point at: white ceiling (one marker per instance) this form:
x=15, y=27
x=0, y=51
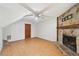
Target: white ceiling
x=11, y=12
x=38, y=6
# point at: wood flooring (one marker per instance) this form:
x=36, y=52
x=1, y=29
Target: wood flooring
x=31, y=47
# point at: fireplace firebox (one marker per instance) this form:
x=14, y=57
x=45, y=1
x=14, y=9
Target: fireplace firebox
x=70, y=42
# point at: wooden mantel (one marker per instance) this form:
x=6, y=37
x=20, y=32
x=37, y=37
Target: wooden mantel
x=74, y=26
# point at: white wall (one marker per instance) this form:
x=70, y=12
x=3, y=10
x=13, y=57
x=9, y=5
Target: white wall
x=17, y=31
x=43, y=29
x=1, y=41
x=47, y=29
x=33, y=31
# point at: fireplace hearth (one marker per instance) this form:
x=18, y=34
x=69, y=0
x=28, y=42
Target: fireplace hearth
x=70, y=42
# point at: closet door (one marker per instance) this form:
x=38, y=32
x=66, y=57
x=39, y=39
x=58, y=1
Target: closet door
x=27, y=31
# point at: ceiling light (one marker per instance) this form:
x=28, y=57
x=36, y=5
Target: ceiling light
x=36, y=18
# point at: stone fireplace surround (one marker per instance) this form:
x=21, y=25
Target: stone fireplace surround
x=69, y=32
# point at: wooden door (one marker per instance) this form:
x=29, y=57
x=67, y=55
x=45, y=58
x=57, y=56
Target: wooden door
x=27, y=31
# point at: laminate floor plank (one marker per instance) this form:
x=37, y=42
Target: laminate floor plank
x=31, y=47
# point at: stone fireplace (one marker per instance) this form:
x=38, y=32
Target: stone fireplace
x=69, y=38
x=70, y=42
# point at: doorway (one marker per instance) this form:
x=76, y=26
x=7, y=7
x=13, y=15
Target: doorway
x=27, y=31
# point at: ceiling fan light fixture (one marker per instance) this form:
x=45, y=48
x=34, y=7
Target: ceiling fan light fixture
x=36, y=18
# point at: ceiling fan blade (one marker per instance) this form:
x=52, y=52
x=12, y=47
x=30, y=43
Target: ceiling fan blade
x=27, y=7
x=46, y=9
x=28, y=15
x=46, y=17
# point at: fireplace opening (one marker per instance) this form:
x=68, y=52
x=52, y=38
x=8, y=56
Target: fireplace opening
x=70, y=42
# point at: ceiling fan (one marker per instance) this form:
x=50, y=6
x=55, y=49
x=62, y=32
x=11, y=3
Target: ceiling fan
x=35, y=14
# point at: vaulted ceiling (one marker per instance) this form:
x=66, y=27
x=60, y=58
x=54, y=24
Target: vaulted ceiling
x=11, y=12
